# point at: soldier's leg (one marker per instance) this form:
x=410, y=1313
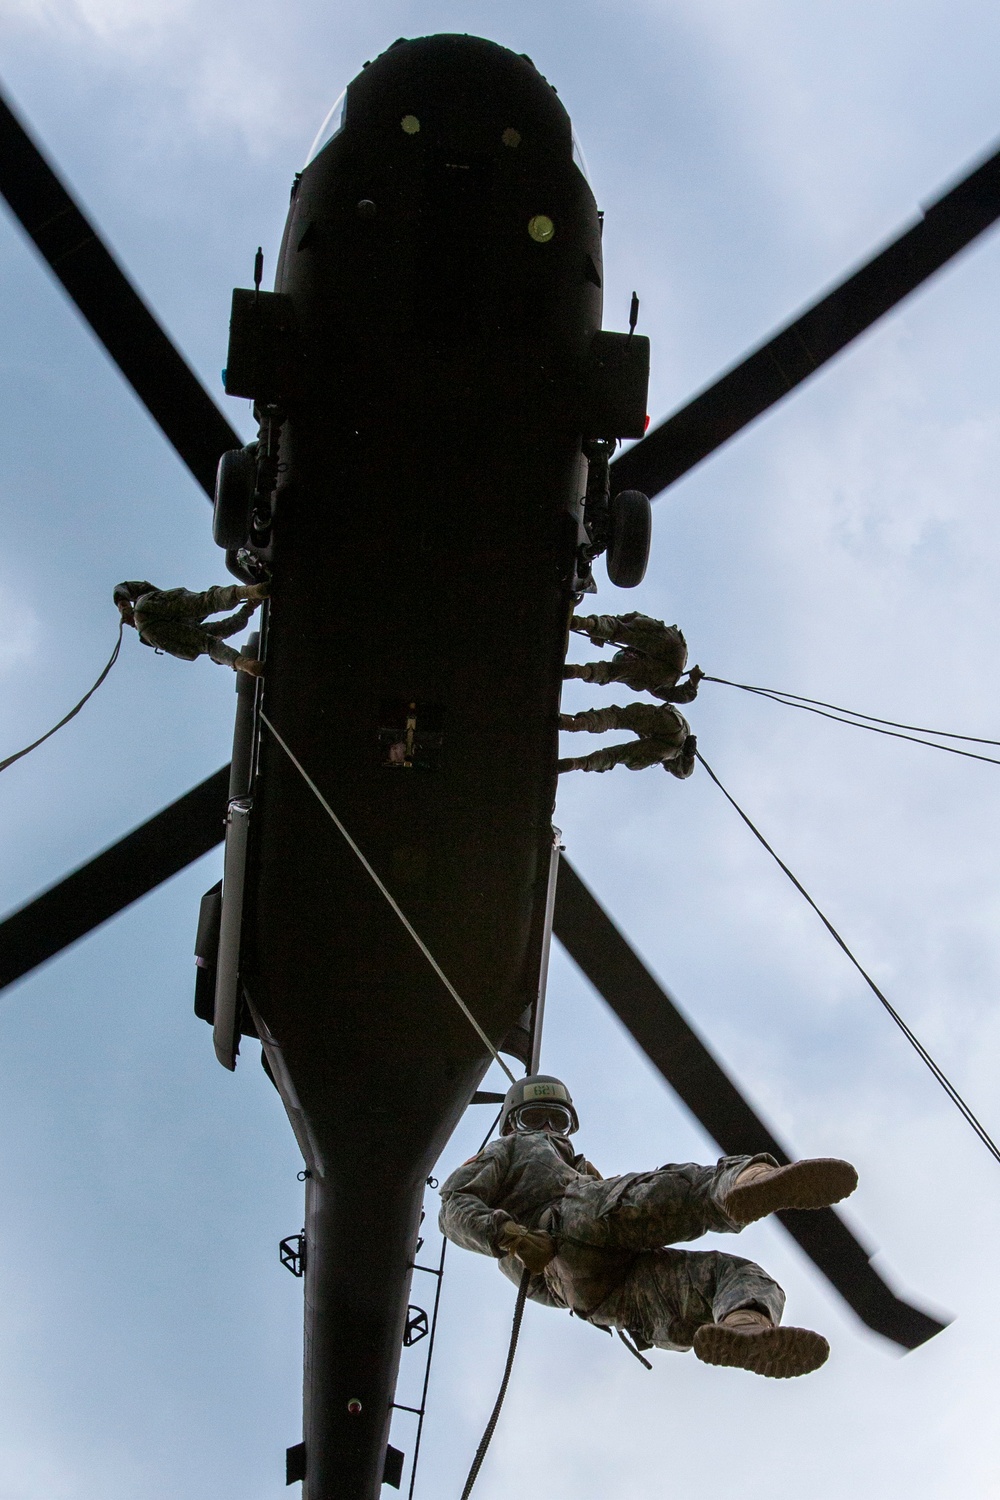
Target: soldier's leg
x=599, y=627
x=667, y=1295
x=213, y=601
x=728, y=1309
x=224, y=655
x=593, y=720
x=601, y=672
x=644, y=1210
x=232, y=624
x=597, y=760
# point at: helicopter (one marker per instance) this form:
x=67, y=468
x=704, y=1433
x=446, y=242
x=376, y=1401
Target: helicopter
x=180, y=834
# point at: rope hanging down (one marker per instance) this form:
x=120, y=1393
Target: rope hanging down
x=816, y=706
x=477, y=1462
x=73, y=711
x=914, y=1041
x=391, y=900
x=430, y=1351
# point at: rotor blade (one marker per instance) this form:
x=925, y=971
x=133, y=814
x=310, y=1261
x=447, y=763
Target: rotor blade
x=164, y=383
x=816, y=335
x=618, y=974
x=138, y=863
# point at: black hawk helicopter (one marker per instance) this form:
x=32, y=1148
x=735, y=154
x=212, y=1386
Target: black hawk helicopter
x=437, y=405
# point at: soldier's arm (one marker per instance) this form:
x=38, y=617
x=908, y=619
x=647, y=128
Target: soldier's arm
x=683, y=765
x=587, y=1168
x=230, y=624
x=600, y=628
x=686, y=692
x=468, y=1214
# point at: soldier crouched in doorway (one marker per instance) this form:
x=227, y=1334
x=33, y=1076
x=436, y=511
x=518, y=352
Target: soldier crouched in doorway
x=604, y=1248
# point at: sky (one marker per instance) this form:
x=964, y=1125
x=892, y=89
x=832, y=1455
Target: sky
x=746, y=154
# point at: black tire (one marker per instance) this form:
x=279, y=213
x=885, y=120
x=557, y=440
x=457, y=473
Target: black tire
x=235, y=481
x=631, y=532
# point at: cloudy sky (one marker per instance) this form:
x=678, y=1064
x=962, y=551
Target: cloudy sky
x=746, y=153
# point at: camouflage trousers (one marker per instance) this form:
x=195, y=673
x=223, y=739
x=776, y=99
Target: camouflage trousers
x=615, y=1266
x=636, y=755
x=641, y=718
x=641, y=674
x=174, y=620
x=662, y=734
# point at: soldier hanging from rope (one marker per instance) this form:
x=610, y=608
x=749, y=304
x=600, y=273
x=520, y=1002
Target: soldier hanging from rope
x=175, y=620
x=665, y=739
x=603, y=1248
x=653, y=658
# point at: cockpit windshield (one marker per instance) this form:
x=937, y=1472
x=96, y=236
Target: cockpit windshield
x=331, y=126
x=580, y=159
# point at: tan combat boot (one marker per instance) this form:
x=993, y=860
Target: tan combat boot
x=255, y=593
x=250, y=665
x=748, y=1340
x=815, y=1183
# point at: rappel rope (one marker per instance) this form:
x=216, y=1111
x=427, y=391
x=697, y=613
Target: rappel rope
x=434, y=1321
x=73, y=711
x=477, y=1462
x=391, y=900
x=817, y=706
x=914, y=1041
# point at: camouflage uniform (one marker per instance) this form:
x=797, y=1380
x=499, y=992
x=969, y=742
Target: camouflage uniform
x=654, y=656
x=612, y=1265
x=173, y=620
x=664, y=738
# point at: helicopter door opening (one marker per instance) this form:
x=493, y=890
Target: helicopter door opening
x=410, y=734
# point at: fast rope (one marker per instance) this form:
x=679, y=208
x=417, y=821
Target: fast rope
x=391, y=900
x=914, y=1041
x=477, y=1462
x=73, y=711
x=430, y=1349
x=817, y=706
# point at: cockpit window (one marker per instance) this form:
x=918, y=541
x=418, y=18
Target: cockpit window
x=580, y=159
x=331, y=126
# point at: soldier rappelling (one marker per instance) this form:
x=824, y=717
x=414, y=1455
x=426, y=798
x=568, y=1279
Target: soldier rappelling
x=603, y=1247
x=176, y=620
x=653, y=657
x=665, y=739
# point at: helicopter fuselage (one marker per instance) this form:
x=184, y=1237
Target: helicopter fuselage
x=440, y=278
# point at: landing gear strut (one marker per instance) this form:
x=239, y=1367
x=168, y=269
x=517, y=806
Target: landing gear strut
x=620, y=525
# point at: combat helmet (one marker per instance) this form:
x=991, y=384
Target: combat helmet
x=537, y=1088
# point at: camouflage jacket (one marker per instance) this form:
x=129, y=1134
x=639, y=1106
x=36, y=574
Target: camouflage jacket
x=513, y=1180
x=639, y=632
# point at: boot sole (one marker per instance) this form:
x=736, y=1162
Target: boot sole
x=816, y=1183
x=780, y=1353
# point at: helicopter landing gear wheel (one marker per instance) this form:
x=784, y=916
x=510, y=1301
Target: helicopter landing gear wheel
x=235, y=482
x=631, y=526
